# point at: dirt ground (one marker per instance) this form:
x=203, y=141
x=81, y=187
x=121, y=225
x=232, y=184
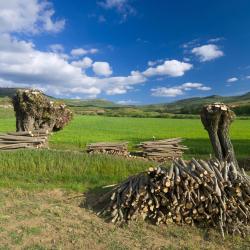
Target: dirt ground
x=55, y=220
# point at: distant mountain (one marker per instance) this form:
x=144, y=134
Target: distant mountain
x=240, y=104
x=100, y=103
x=193, y=105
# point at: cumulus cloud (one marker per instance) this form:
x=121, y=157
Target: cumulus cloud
x=232, y=79
x=28, y=16
x=85, y=63
x=53, y=71
x=207, y=52
x=178, y=90
x=81, y=51
x=172, y=68
x=248, y=77
x=102, y=69
x=22, y=65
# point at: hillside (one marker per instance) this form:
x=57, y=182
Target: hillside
x=191, y=106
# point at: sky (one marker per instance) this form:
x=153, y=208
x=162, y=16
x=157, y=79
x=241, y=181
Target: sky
x=126, y=51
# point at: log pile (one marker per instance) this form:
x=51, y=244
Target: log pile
x=111, y=148
x=162, y=150
x=21, y=140
x=195, y=193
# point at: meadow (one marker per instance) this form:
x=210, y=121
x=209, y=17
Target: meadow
x=68, y=166
x=41, y=190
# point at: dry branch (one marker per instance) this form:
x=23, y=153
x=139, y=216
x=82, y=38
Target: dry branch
x=190, y=193
x=162, y=150
x=27, y=139
x=113, y=148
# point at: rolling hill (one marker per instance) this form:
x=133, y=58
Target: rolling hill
x=240, y=104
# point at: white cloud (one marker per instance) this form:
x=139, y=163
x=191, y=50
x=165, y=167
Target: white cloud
x=57, y=48
x=172, y=68
x=85, y=63
x=28, y=16
x=81, y=52
x=248, y=77
x=102, y=69
x=167, y=92
x=215, y=40
x=186, y=59
x=207, y=52
x=117, y=91
x=153, y=63
x=22, y=65
x=190, y=44
x=127, y=102
x=121, y=6
x=178, y=90
x=233, y=79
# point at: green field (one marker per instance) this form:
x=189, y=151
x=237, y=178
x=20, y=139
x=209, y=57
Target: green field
x=37, y=186
x=80, y=171
x=86, y=129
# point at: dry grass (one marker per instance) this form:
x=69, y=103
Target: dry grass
x=49, y=220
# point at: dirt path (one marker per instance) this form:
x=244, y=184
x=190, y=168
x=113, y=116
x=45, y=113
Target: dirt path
x=49, y=220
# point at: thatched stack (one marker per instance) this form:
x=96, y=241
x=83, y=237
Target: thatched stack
x=21, y=140
x=36, y=111
x=162, y=150
x=111, y=148
x=196, y=192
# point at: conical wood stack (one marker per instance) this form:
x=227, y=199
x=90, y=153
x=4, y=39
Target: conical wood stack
x=197, y=192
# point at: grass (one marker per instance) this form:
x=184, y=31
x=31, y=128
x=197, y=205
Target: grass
x=51, y=219
x=34, y=169
x=78, y=171
x=87, y=129
x=36, y=214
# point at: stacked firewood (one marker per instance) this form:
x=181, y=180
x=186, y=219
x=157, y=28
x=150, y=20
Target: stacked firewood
x=162, y=150
x=24, y=139
x=196, y=192
x=111, y=148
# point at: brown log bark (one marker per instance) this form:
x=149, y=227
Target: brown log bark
x=217, y=119
x=35, y=111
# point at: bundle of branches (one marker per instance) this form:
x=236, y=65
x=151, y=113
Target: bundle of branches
x=19, y=140
x=35, y=111
x=112, y=148
x=196, y=192
x=162, y=150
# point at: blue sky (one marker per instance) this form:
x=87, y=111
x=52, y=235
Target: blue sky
x=127, y=51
